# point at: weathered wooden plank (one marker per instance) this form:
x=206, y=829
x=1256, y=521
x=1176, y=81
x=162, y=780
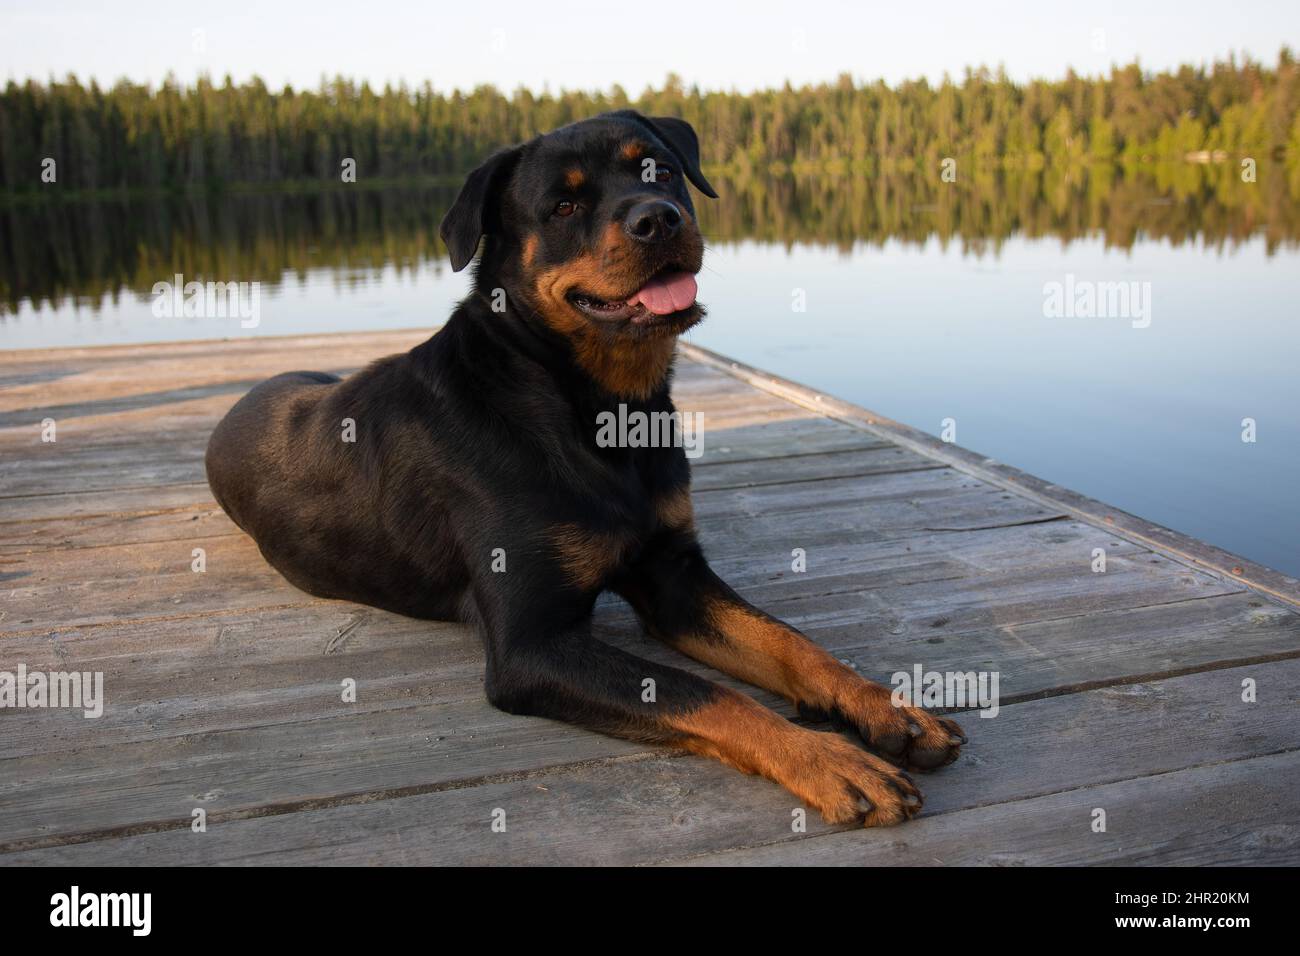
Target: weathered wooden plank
x=764, y=553
x=67, y=468
x=148, y=402
x=129, y=354
x=794, y=436
x=1241, y=813
x=679, y=808
x=99, y=530
x=40, y=378
x=915, y=489
x=127, y=582
x=815, y=467
x=119, y=500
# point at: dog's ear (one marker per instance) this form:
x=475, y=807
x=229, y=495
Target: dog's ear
x=474, y=212
x=680, y=137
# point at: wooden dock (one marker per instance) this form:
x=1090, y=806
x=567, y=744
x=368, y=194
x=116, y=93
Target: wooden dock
x=1120, y=691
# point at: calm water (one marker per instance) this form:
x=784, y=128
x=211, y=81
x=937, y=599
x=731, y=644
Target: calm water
x=920, y=305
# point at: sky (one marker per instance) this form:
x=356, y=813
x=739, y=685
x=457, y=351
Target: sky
x=593, y=45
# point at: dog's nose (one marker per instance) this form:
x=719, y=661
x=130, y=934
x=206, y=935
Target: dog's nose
x=653, y=221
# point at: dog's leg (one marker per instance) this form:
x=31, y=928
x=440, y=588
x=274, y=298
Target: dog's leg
x=683, y=603
x=564, y=674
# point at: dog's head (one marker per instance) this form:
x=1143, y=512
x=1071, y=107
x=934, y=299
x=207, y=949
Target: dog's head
x=592, y=228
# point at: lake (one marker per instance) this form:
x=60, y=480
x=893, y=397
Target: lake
x=1110, y=332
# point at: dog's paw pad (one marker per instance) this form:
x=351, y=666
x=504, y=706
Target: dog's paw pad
x=908, y=736
x=849, y=785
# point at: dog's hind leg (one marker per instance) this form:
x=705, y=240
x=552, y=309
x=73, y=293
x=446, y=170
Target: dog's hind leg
x=682, y=602
x=566, y=675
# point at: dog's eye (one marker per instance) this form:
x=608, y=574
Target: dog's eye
x=663, y=174
x=565, y=208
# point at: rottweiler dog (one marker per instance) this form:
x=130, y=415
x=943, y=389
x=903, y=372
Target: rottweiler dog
x=463, y=480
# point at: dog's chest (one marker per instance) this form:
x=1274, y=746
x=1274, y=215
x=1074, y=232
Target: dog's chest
x=635, y=483
x=622, y=512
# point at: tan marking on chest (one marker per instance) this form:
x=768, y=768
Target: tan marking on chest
x=631, y=368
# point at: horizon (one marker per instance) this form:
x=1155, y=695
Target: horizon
x=1237, y=58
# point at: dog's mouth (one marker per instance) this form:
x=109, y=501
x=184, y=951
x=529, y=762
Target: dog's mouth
x=666, y=299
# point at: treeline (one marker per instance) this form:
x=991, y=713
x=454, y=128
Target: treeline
x=133, y=136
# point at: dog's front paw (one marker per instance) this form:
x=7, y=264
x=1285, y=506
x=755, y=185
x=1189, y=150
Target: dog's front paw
x=912, y=737
x=848, y=785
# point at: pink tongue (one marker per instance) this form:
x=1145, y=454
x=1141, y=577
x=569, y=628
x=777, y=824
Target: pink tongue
x=668, y=293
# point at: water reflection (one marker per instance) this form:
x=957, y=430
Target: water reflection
x=87, y=249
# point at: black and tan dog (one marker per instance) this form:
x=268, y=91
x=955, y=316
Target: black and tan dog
x=478, y=448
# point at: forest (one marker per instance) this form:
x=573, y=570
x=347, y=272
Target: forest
x=208, y=134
